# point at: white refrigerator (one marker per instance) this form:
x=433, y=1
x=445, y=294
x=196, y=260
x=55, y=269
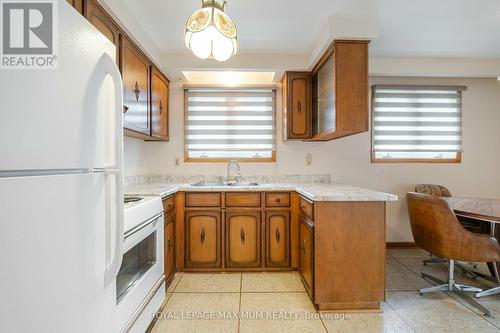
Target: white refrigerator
x=61, y=187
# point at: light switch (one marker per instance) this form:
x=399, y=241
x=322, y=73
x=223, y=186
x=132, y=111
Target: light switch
x=309, y=158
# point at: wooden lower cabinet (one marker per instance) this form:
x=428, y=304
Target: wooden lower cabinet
x=277, y=229
x=306, y=253
x=243, y=238
x=169, y=243
x=202, y=237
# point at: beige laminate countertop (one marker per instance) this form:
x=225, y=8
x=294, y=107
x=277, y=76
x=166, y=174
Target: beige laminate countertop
x=312, y=191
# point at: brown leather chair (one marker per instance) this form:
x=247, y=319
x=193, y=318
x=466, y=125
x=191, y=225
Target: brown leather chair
x=437, y=230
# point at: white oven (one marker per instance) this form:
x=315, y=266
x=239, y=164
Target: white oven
x=140, y=283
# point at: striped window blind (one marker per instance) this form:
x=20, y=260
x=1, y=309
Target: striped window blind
x=417, y=122
x=229, y=123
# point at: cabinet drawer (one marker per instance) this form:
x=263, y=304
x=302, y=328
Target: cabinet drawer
x=168, y=204
x=202, y=199
x=242, y=199
x=306, y=207
x=277, y=199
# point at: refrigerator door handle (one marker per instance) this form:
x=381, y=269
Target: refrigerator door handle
x=116, y=243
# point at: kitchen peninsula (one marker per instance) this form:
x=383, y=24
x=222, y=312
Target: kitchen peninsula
x=333, y=234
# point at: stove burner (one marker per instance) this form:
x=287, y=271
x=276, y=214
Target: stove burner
x=132, y=198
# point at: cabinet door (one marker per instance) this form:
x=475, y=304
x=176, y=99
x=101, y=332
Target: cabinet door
x=306, y=253
x=135, y=72
x=243, y=238
x=169, y=239
x=78, y=4
x=278, y=239
x=299, y=106
x=159, y=105
x=203, y=238
x=99, y=19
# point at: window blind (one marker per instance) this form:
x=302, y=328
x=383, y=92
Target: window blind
x=229, y=123
x=417, y=121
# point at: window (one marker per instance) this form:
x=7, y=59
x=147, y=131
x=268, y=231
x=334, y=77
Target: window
x=225, y=124
x=416, y=123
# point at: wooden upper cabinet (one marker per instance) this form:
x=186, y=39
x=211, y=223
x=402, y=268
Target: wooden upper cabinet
x=203, y=238
x=78, y=4
x=296, y=89
x=159, y=105
x=277, y=238
x=135, y=72
x=96, y=15
x=243, y=238
x=340, y=91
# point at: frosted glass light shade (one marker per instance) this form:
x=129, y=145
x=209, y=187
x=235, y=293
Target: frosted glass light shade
x=210, y=33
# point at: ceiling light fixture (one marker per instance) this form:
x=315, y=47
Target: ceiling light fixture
x=210, y=33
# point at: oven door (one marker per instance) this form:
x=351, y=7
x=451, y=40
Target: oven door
x=141, y=269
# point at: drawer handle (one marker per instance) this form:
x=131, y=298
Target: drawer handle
x=278, y=200
x=169, y=242
x=277, y=235
x=202, y=235
x=242, y=235
x=302, y=206
x=137, y=91
x=299, y=107
x=170, y=205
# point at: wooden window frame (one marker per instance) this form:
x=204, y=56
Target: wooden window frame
x=271, y=159
x=457, y=159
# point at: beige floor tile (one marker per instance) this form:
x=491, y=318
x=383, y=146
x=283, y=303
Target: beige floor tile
x=491, y=303
x=401, y=278
x=208, y=283
x=408, y=253
x=437, y=312
x=386, y=322
x=199, y=313
x=175, y=281
x=297, y=308
x=272, y=282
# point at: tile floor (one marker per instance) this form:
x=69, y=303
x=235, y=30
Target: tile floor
x=277, y=302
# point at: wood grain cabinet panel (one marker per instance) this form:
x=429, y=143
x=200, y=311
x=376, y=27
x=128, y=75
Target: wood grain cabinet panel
x=203, y=199
x=297, y=101
x=159, y=105
x=243, y=199
x=306, y=207
x=277, y=199
x=169, y=253
x=96, y=15
x=277, y=238
x=203, y=238
x=306, y=253
x=243, y=239
x=135, y=73
x=77, y=4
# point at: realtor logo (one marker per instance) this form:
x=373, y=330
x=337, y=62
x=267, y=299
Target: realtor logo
x=29, y=38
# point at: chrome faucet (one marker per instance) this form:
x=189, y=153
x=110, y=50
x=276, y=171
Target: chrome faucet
x=234, y=179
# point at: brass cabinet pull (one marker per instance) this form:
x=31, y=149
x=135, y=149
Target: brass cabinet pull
x=169, y=242
x=202, y=235
x=242, y=235
x=125, y=109
x=277, y=235
x=161, y=107
x=170, y=205
x=299, y=107
x=137, y=91
x=278, y=200
x=302, y=206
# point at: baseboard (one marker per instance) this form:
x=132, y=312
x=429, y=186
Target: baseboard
x=392, y=245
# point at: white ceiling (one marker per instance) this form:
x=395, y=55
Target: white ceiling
x=418, y=28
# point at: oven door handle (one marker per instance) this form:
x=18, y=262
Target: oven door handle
x=143, y=225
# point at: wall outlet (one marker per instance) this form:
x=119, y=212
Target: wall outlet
x=309, y=158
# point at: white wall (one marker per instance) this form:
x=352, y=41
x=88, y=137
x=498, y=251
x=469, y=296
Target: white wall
x=348, y=159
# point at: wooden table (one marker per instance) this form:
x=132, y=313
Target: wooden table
x=482, y=209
